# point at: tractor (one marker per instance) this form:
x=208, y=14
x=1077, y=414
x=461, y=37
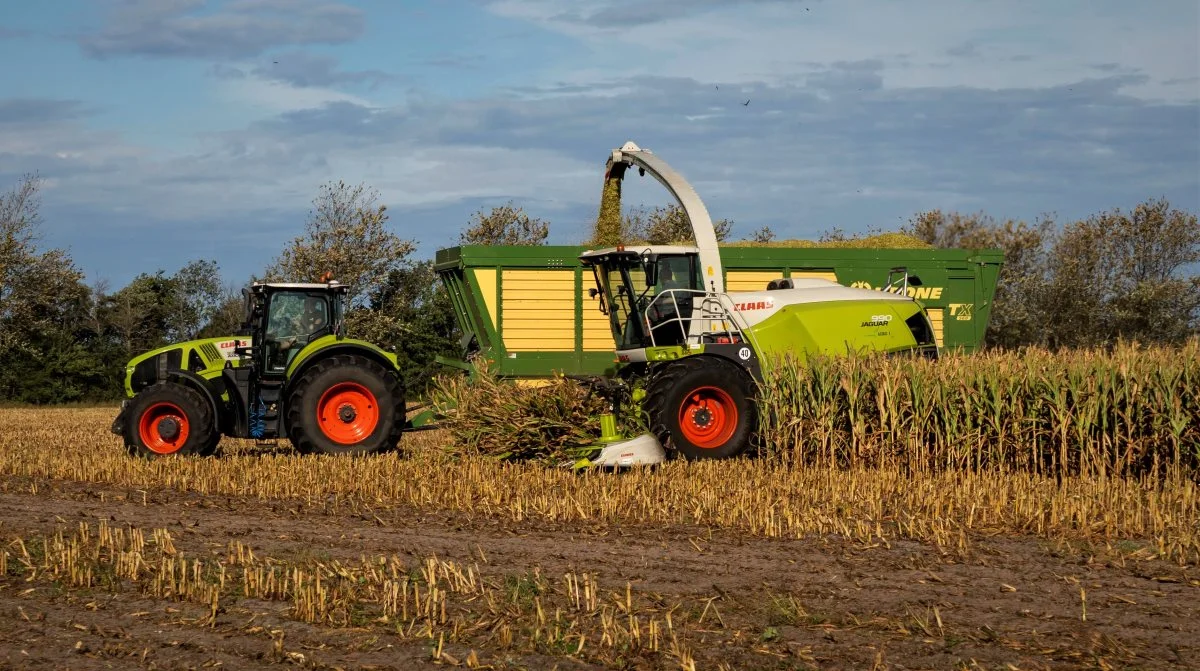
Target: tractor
x=290, y=372
x=696, y=354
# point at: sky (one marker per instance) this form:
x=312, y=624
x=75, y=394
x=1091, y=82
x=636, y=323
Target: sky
x=172, y=130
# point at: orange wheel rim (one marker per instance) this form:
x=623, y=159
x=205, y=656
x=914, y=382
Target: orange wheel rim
x=347, y=413
x=707, y=417
x=163, y=428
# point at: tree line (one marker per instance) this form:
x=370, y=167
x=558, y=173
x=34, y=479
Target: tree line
x=1116, y=275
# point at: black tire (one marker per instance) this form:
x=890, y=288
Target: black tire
x=168, y=418
x=718, y=397
x=364, y=387
x=210, y=448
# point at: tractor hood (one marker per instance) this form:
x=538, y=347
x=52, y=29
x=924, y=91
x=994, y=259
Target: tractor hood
x=203, y=356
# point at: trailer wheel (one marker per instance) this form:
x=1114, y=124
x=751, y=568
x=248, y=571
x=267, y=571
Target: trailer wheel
x=346, y=404
x=168, y=418
x=702, y=407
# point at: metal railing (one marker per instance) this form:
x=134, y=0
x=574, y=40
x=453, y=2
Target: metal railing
x=715, y=316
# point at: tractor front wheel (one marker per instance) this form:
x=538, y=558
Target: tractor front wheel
x=346, y=404
x=169, y=418
x=702, y=407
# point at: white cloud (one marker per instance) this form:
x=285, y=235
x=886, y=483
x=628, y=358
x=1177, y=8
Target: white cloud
x=269, y=96
x=1014, y=43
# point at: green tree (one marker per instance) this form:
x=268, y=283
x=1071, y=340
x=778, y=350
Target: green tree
x=663, y=225
x=45, y=310
x=412, y=311
x=139, y=316
x=155, y=309
x=762, y=235
x=227, y=316
x=346, y=234
x=197, y=297
x=504, y=225
x=1018, y=308
x=1123, y=275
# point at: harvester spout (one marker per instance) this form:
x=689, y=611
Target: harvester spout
x=693, y=208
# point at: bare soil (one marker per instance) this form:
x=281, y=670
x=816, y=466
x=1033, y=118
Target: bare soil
x=1006, y=603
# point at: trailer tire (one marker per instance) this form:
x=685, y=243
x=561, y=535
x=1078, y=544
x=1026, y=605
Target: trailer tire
x=346, y=404
x=702, y=407
x=168, y=418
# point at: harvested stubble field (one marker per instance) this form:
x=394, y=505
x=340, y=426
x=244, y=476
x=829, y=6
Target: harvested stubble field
x=415, y=560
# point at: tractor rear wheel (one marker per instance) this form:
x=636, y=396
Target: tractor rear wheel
x=170, y=418
x=702, y=407
x=210, y=448
x=346, y=404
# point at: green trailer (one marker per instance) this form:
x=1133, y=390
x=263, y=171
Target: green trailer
x=527, y=308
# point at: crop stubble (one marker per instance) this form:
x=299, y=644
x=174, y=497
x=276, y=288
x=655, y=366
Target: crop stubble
x=755, y=564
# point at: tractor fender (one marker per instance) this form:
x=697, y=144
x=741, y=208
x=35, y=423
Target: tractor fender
x=187, y=377
x=321, y=349
x=324, y=345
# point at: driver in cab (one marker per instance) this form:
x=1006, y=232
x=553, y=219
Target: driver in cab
x=303, y=325
x=664, y=306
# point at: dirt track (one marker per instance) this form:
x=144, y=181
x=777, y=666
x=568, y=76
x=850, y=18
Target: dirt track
x=1009, y=602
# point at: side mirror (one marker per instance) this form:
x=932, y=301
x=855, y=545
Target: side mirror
x=593, y=292
x=651, y=269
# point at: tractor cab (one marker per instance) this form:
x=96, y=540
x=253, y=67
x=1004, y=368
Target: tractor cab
x=284, y=317
x=649, y=294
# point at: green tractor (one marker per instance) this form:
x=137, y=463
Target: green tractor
x=290, y=372
x=695, y=355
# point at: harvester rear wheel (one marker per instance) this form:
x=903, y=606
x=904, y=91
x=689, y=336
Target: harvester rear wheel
x=346, y=404
x=169, y=418
x=701, y=407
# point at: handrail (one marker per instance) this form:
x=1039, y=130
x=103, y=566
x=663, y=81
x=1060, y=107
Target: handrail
x=706, y=314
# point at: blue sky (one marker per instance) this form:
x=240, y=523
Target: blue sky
x=169, y=130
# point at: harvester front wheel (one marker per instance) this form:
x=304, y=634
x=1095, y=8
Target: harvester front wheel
x=169, y=418
x=702, y=407
x=346, y=404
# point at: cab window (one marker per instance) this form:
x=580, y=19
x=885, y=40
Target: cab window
x=294, y=319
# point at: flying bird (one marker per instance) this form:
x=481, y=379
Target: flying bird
x=745, y=103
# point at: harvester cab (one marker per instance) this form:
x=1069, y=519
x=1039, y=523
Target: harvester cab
x=700, y=352
x=289, y=372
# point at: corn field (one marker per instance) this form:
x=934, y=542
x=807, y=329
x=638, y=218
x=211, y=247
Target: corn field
x=1131, y=411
